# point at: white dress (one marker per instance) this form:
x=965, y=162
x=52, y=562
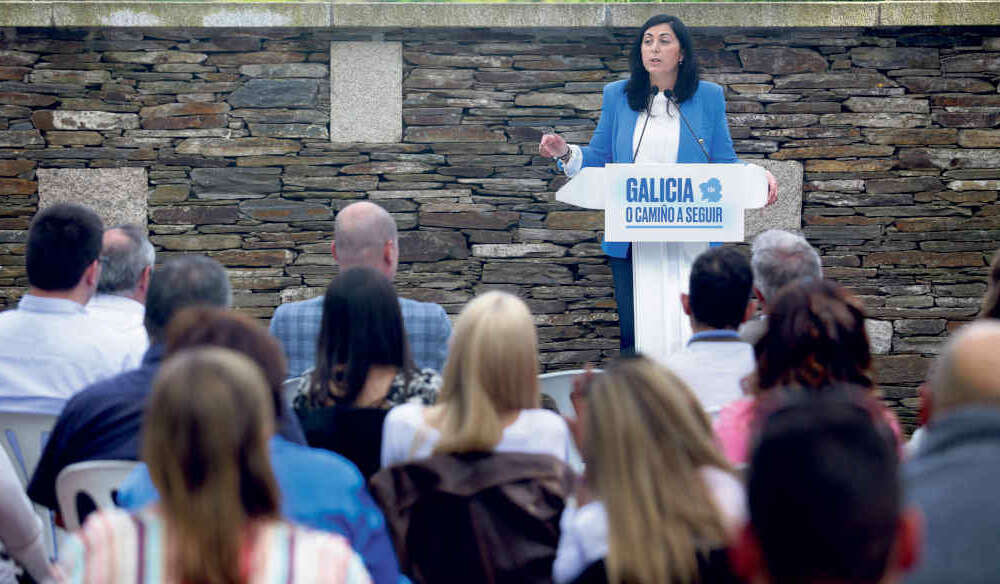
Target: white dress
x=664, y=329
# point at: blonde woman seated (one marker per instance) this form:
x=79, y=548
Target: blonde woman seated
x=489, y=398
x=205, y=441
x=658, y=501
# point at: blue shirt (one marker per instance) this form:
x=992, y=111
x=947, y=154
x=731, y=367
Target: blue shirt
x=50, y=348
x=319, y=489
x=297, y=324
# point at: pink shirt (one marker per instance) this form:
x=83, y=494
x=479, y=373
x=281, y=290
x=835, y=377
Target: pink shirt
x=734, y=424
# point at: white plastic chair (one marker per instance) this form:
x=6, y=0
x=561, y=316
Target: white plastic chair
x=97, y=479
x=558, y=386
x=23, y=436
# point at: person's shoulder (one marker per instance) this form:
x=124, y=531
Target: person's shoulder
x=542, y=420
x=111, y=391
x=416, y=307
x=410, y=414
x=708, y=88
x=291, y=309
x=617, y=87
x=316, y=463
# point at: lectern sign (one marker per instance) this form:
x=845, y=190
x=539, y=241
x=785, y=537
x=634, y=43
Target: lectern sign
x=656, y=206
x=677, y=202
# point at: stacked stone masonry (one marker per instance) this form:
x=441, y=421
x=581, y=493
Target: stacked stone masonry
x=897, y=130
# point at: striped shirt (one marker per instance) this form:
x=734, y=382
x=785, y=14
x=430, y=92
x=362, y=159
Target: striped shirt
x=115, y=547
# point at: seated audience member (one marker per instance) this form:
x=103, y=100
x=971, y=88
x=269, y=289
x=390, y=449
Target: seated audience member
x=658, y=498
x=778, y=258
x=363, y=368
x=716, y=360
x=489, y=399
x=952, y=475
x=49, y=347
x=127, y=260
x=103, y=421
x=991, y=300
x=364, y=236
x=825, y=500
x=205, y=441
x=815, y=338
x=217, y=327
x=20, y=527
x=319, y=489
x=487, y=475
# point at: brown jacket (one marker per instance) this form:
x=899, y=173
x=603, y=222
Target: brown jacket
x=490, y=518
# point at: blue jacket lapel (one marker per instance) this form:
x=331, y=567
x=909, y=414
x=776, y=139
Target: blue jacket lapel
x=688, y=149
x=626, y=128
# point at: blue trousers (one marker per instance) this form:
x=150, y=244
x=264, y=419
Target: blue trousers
x=621, y=270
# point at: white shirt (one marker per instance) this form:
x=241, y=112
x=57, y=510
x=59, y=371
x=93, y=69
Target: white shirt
x=714, y=369
x=50, y=348
x=583, y=537
x=657, y=144
x=406, y=436
x=123, y=318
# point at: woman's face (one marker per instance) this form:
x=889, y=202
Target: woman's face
x=661, y=51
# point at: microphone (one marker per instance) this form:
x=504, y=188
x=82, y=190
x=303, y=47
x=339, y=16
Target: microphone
x=653, y=90
x=701, y=142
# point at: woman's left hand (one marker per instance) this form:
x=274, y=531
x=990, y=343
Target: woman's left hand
x=772, y=188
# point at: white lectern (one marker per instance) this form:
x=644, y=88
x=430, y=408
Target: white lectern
x=657, y=207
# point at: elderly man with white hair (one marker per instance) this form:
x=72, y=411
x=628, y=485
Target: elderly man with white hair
x=127, y=259
x=777, y=258
x=364, y=236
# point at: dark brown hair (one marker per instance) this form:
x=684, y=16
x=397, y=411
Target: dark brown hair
x=815, y=338
x=217, y=327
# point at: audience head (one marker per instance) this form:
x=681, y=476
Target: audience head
x=645, y=437
x=492, y=370
x=64, y=243
x=362, y=326
x=205, y=441
x=815, y=338
x=128, y=259
x=779, y=258
x=991, y=301
x=719, y=289
x=966, y=372
x=182, y=282
x=825, y=495
x=365, y=235
x=205, y=326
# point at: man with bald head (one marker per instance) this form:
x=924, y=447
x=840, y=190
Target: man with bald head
x=952, y=477
x=127, y=259
x=364, y=236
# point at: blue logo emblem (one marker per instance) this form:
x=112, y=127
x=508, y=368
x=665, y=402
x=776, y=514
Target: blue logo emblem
x=711, y=190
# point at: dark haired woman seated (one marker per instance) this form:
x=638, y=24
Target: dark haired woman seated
x=815, y=339
x=363, y=368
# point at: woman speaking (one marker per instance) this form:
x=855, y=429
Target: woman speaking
x=661, y=114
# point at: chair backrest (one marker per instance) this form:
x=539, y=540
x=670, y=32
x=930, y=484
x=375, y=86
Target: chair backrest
x=97, y=479
x=558, y=386
x=23, y=435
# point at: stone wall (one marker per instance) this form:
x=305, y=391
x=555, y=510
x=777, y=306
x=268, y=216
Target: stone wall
x=896, y=129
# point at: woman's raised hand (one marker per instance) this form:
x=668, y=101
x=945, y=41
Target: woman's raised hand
x=552, y=146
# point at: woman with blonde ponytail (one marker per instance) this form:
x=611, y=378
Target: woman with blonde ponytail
x=489, y=398
x=205, y=442
x=658, y=499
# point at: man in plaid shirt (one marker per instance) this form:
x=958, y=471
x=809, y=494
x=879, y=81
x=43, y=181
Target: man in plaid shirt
x=364, y=235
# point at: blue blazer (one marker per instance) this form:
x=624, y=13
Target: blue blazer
x=612, y=140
